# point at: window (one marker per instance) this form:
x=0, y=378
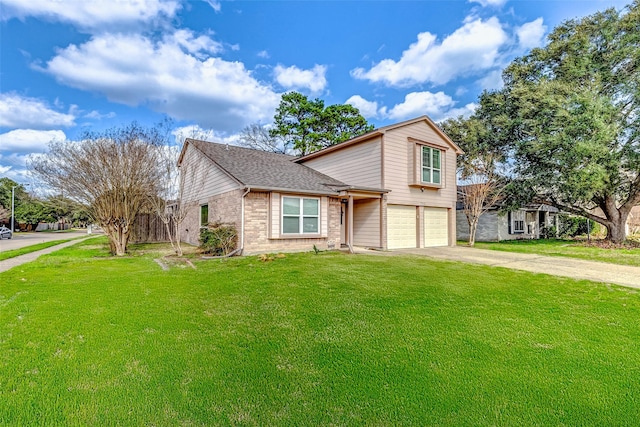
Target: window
x=517, y=218
x=300, y=215
x=204, y=215
x=431, y=169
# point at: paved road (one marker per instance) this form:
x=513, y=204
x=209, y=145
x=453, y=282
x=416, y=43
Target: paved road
x=20, y=240
x=558, y=266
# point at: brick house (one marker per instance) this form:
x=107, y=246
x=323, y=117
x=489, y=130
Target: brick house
x=394, y=187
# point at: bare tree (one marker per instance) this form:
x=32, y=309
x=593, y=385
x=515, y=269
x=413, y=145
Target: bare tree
x=258, y=137
x=179, y=185
x=114, y=172
x=482, y=191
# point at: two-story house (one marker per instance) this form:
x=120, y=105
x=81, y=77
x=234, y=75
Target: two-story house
x=394, y=187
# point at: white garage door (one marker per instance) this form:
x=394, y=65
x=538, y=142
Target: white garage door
x=401, y=227
x=436, y=230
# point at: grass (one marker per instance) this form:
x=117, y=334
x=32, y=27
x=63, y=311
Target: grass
x=566, y=248
x=33, y=248
x=327, y=339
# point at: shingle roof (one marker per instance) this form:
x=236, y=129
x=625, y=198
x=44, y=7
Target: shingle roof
x=264, y=170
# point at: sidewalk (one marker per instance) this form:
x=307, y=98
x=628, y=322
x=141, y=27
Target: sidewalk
x=558, y=266
x=22, y=259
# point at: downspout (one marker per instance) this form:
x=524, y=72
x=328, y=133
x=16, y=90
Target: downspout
x=241, y=249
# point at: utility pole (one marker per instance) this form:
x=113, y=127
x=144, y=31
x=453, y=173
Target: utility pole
x=13, y=207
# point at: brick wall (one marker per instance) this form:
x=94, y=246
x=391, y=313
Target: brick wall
x=257, y=223
x=224, y=208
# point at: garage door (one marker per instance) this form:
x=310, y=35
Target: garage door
x=436, y=229
x=401, y=227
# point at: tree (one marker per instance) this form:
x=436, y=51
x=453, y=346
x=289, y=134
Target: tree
x=114, y=172
x=20, y=195
x=258, y=137
x=572, y=111
x=307, y=126
x=176, y=185
x=478, y=167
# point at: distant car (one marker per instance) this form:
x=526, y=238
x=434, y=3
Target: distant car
x=5, y=233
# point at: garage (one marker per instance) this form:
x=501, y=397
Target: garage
x=436, y=227
x=401, y=227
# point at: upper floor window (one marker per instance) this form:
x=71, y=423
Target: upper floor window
x=300, y=215
x=431, y=168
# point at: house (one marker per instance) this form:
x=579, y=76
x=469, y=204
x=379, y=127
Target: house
x=528, y=222
x=394, y=187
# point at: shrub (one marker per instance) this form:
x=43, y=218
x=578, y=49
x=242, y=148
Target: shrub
x=572, y=226
x=218, y=238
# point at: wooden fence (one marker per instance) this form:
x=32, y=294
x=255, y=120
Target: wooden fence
x=148, y=228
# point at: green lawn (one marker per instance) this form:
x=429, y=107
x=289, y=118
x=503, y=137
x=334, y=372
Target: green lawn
x=328, y=339
x=566, y=248
x=33, y=248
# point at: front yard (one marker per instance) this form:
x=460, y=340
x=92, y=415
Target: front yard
x=628, y=255
x=327, y=339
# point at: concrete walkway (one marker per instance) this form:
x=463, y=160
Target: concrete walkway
x=557, y=266
x=22, y=259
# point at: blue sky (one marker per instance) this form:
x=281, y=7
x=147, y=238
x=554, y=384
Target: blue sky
x=216, y=66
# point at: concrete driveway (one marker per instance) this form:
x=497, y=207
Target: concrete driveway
x=557, y=266
x=20, y=240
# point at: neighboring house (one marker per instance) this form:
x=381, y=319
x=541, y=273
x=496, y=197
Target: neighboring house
x=394, y=187
x=633, y=221
x=528, y=222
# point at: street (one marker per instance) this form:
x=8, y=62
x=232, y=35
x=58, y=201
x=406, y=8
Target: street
x=21, y=239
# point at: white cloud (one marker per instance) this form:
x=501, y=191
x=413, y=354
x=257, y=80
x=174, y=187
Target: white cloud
x=465, y=111
x=92, y=14
x=198, y=46
x=492, y=80
x=96, y=115
x=215, y=5
x=471, y=49
x=296, y=78
x=22, y=112
x=489, y=3
x=173, y=76
x=369, y=109
x=420, y=103
x=531, y=34
x=29, y=140
x=263, y=54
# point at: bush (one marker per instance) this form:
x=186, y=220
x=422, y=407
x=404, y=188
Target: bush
x=572, y=226
x=219, y=238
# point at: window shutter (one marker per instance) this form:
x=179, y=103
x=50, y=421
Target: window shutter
x=324, y=216
x=509, y=222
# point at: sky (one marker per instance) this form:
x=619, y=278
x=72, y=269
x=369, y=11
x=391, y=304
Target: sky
x=214, y=67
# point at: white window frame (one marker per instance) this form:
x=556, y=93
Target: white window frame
x=301, y=216
x=518, y=222
x=430, y=168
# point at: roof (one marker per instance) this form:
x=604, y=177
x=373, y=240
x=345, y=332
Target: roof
x=261, y=170
x=379, y=132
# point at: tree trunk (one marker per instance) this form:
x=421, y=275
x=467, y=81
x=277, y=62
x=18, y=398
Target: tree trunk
x=473, y=227
x=616, y=220
x=616, y=231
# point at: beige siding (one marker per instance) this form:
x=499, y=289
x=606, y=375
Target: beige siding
x=400, y=167
x=358, y=165
x=366, y=223
x=203, y=178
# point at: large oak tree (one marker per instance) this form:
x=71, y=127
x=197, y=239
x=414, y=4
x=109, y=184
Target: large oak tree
x=572, y=118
